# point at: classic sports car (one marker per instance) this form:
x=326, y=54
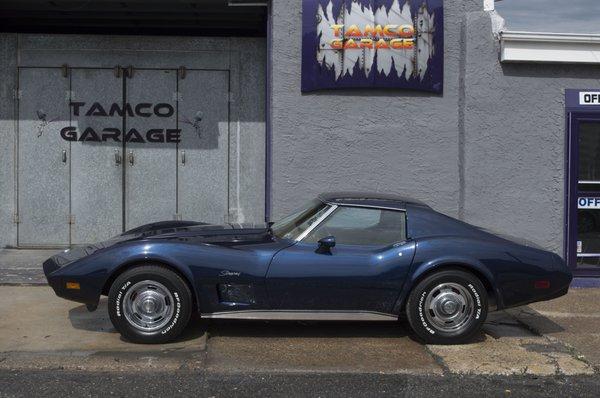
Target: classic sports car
x=343, y=256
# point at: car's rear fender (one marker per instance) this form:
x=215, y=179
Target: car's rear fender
x=440, y=253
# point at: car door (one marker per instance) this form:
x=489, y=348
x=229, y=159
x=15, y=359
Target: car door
x=365, y=270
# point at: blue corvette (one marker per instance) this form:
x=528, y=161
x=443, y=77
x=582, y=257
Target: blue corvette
x=343, y=256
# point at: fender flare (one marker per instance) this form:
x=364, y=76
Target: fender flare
x=140, y=259
x=469, y=264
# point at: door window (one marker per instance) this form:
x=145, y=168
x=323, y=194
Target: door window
x=362, y=226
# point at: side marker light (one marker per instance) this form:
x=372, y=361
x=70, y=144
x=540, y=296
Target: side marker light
x=73, y=286
x=543, y=284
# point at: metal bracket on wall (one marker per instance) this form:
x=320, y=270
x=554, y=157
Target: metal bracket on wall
x=17, y=94
x=118, y=158
x=182, y=71
x=65, y=70
x=16, y=219
x=129, y=71
x=118, y=71
x=71, y=219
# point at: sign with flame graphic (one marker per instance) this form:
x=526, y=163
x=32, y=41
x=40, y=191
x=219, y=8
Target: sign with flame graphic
x=373, y=43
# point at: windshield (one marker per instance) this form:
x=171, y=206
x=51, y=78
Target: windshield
x=300, y=220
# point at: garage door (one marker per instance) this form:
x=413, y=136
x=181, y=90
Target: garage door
x=102, y=151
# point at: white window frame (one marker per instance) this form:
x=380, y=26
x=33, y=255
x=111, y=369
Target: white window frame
x=547, y=47
x=565, y=48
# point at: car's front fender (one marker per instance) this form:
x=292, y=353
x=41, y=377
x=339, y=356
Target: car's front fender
x=92, y=273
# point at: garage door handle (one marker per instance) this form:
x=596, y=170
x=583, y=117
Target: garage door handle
x=183, y=157
x=118, y=159
x=64, y=156
x=131, y=158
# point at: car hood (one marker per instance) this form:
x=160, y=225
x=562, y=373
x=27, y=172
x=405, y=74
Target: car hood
x=189, y=231
x=169, y=229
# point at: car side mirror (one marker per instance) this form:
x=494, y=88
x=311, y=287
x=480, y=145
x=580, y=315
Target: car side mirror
x=325, y=245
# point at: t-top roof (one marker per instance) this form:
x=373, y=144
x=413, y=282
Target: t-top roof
x=369, y=199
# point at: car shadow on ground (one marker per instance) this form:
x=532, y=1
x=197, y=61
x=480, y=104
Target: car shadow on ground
x=514, y=323
x=99, y=321
x=303, y=329
x=498, y=325
x=316, y=330
x=535, y=321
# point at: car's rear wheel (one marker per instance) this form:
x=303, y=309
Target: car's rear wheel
x=149, y=304
x=447, y=307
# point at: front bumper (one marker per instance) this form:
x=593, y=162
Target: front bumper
x=58, y=276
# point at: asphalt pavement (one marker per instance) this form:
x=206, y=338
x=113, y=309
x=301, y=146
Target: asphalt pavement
x=73, y=383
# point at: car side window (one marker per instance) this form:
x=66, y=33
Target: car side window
x=361, y=226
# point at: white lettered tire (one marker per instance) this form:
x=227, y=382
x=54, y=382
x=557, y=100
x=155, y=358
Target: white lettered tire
x=149, y=304
x=447, y=307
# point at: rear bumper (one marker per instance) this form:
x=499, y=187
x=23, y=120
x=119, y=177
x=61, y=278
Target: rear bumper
x=58, y=277
x=523, y=292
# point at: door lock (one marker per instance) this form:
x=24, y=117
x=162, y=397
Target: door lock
x=118, y=159
x=131, y=158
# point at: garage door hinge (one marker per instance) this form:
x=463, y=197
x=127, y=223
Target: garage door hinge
x=16, y=218
x=17, y=94
x=182, y=71
x=71, y=219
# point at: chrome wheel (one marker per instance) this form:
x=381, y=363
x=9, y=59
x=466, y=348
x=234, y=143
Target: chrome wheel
x=449, y=306
x=148, y=306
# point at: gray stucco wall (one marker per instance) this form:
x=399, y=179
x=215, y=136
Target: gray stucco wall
x=514, y=139
x=490, y=150
x=396, y=141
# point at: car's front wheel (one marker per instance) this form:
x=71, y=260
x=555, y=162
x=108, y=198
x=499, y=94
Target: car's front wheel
x=149, y=304
x=447, y=307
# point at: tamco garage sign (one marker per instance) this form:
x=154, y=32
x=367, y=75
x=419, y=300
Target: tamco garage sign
x=373, y=43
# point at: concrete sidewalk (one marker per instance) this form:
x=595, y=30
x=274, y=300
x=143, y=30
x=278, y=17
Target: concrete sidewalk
x=23, y=267
x=41, y=331
x=573, y=319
